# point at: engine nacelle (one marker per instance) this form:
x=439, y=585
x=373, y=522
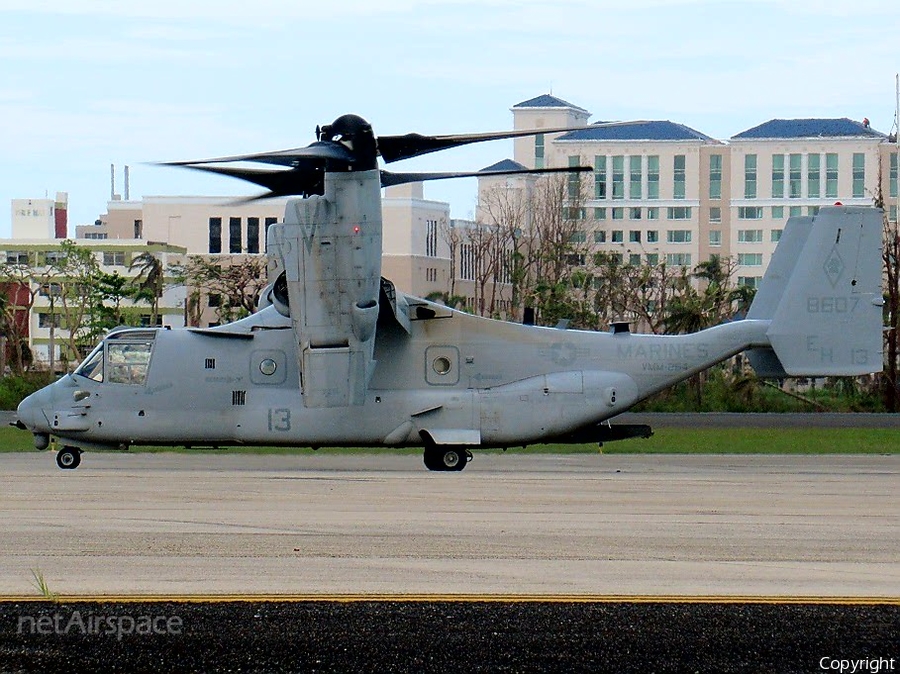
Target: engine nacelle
x=277, y=295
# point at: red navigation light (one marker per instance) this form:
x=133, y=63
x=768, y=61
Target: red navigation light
x=356, y=229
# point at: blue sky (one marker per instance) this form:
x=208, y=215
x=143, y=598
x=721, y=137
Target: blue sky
x=89, y=83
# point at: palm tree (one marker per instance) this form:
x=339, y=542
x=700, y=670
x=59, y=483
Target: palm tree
x=150, y=281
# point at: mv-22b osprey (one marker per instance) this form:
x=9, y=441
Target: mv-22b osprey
x=337, y=356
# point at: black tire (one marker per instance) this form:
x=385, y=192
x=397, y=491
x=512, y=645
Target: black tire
x=453, y=459
x=68, y=458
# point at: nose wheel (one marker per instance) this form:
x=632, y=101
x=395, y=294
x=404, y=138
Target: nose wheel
x=446, y=458
x=68, y=458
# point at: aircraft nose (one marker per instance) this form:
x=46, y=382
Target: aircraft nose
x=30, y=411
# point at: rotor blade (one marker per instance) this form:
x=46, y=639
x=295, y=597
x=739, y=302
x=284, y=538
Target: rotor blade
x=389, y=179
x=395, y=148
x=302, y=180
x=322, y=150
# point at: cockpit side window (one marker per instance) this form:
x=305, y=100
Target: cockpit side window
x=128, y=362
x=92, y=367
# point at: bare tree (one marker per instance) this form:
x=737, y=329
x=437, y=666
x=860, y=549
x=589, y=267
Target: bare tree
x=237, y=281
x=890, y=256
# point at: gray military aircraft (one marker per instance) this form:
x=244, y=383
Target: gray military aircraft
x=337, y=356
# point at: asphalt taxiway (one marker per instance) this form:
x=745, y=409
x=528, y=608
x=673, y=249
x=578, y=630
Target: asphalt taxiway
x=517, y=524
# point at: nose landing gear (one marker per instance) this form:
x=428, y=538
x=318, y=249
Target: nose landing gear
x=68, y=458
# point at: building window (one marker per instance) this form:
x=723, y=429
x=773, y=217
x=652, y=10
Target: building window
x=749, y=281
x=796, y=176
x=653, y=176
x=813, y=180
x=679, y=177
x=215, y=235
x=831, y=176
x=892, y=175
x=114, y=259
x=600, y=177
x=431, y=238
x=750, y=235
x=234, y=235
x=653, y=213
x=750, y=176
x=715, y=214
x=634, y=236
x=750, y=212
x=678, y=212
x=652, y=259
x=634, y=259
x=269, y=222
x=812, y=210
x=777, y=176
x=253, y=235
x=678, y=259
x=634, y=213
x=138, y=229
x=599, y=214
x=750, y=259
x=795, y=211
x=715, y=176
x=678, y=236
x=777, y=212
x=618, y=177
x=715, y=237
x=635, y=172
x=573, y=178
x=859, y=175
x=214, y=300
x=776, y=235
x=16, y=257
x=892, y=214
x=617, y=236
x=599, y=236
x=618, y=213
x=539, y=150
x=466, y=262
x=46, y=320
x=48, y=289
x=578, y=236
x=652, y=236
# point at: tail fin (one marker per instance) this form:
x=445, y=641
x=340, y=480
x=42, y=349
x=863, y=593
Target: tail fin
x=822, y=292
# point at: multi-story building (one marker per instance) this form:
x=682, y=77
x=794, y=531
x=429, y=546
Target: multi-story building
x=40, y=218
x=40, y=256
x=663, y=192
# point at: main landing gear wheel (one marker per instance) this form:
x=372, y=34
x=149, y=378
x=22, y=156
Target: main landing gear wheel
x=68, y=458
x=446, y=458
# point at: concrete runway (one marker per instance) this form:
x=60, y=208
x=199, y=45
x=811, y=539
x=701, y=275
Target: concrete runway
x=187, y=524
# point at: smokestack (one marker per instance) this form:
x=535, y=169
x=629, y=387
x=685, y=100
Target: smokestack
x=127, y=184
x=112, y=182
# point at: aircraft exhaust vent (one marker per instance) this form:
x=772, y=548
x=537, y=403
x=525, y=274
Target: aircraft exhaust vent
x=210, y=364
x=238, y=397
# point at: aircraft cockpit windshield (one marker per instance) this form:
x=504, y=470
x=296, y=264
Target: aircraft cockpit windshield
x=122, y=358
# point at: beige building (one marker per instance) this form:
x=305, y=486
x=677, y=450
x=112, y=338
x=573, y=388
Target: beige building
x=663, y=192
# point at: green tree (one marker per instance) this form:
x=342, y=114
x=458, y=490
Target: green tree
x=150, y=282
